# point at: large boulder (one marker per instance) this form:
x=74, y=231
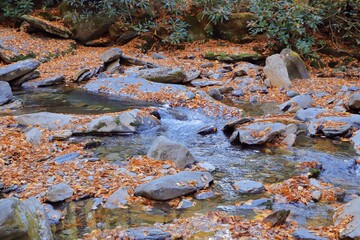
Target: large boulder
x=257, y=133
x=163, y=75
x=169, y=187
x=23, y=220
x=6, y=94
x=134, y=87
x=59, y=192
x=125, y=123
x=294, y=64
x=48, y=27
x=165, y=149
x=352, y=230
x=45, y=119
x=281, y=68
x=18, y=69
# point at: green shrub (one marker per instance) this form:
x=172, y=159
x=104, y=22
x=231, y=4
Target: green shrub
x=15, y=8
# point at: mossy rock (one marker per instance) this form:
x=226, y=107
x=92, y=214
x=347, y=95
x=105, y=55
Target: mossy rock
x=232, y=58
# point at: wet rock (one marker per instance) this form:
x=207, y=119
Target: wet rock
x=146, y=233
x=259, y=133
x=97, y=202
x=300, y=101
x=48, y=27
x=6, y=94
x=184, y=204
x=262, y=203
x=294, y=65
x=215, y=94
x=289, y=140
x=277, y=218
x=33, y=136
x=308, y=114
x=23, y=220
x=207, y=166
x=207, y=130
x=304, y=234
x=114, y=86
x=230, y=126
x=335, y=131
x=65, y=158
x=173, y=186
x=11, y=106
x=18, y=69
x=192, y=75
x=207, y=65
x=291, y=93
x=352, y=230
x=354, y=102
x=59, y=192
x=356, y=141
x=44, y=119
x=111, y=55
x=127, y=122
x=248, y=187
x=163, y=75
x=165, y=149
x=204, y=195
x=45, y=82
x=205, y=83
x=62, y=135
x=53, y=215
x=27, y=77
x=118, y=198
x=158, y=56
x=316, y=195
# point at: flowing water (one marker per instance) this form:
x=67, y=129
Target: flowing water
x=232, y=163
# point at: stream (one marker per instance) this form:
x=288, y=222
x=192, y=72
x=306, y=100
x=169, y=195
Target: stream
x=232, y=162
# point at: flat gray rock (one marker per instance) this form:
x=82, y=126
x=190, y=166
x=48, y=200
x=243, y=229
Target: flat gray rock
x=18, y=69
x=115, y=86
x=33, y=136
x=111, y=55
x=352, y=230
x=45, y=82
x=258, y=133
x=165, y=149
x=248, y=187
x=163, y=75
x=170, y=187
x=304, y=234
x=300, y=101
x=6, y=94
x=306, y=115
x=146, y=233
x=59, y=192
x=205, y=83
x=118, y=198
x=45, y=119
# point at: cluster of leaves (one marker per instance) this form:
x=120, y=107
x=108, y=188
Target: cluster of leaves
x=293, y=23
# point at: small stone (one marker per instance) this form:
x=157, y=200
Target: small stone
x=34, y=136
x=53, y=215
x=291, y=93
x=59, y=192
x=204, y=195
x=353, y=88
x=118, y=198
x=215, y=93
x=62, y=135
x=184, y=204
x=66, y=158
x=207, y=65
x=277, y=218
x=111, y=55
x=253, y=99
x=207, y=166
x=207, y=130
x=158, y=56
x=238, y=93
x=316, y=195
x=249, y=187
